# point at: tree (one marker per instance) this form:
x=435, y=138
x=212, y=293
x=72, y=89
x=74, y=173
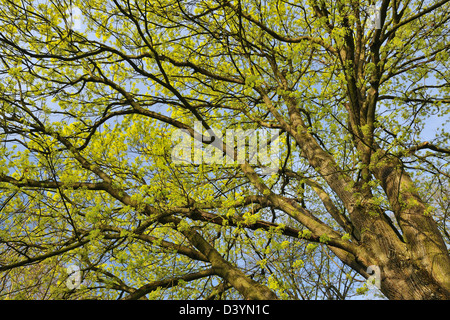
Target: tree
x=92, y=108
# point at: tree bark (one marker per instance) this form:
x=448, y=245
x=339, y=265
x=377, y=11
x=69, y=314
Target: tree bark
x=427, y=260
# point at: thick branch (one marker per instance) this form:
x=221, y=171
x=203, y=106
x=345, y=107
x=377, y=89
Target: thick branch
x=142, y=291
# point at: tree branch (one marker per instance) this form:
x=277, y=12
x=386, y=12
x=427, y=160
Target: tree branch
x=427, y=145
x=142, y=291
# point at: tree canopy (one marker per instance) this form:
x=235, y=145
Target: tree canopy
x=94, y=95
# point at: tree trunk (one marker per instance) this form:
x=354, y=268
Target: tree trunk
x=426, y=265
x=405, y=280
